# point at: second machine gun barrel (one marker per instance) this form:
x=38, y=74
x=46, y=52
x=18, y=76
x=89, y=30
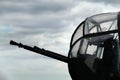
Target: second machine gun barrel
x=41, y=51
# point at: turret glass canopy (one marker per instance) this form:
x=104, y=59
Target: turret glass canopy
x=91, y=33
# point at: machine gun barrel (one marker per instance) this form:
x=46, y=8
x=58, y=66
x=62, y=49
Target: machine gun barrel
x=41, y=51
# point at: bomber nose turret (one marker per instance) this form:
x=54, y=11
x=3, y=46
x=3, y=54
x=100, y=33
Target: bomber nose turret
x=94, y=49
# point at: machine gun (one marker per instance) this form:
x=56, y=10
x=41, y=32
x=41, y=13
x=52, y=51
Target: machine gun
x=41, y=51
x=94, y=49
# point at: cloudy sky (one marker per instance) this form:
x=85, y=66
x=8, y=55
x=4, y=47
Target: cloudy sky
x=45, y=23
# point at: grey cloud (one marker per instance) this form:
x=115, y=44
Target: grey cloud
x=33, y=7
x=112, y=2
x=19, y=13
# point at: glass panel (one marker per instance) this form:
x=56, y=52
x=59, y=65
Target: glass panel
x=78, y=33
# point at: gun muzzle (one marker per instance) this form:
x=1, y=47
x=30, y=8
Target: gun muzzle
x=15, y=43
